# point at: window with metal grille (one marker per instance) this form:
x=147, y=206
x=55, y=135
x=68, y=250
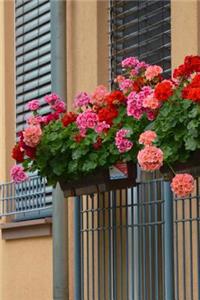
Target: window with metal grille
x=33, y=81
x=122, y=249
x=142, y=29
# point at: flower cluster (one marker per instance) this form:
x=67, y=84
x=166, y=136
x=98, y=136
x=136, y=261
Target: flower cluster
x=150, y=158
x=192, y=90
x=121, y=142
x=147, y=138
x=17, y=174
x=164, y=90
x=110, y=126
x=191, y=64
x=183, y=185
x=32, y=136
x=136, y=106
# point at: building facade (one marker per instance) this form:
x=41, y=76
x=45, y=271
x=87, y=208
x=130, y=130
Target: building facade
x=95, y=42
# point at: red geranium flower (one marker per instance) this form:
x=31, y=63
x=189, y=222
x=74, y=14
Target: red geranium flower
x=107, y=114
x=98, y=144
x=18, y=153
x=192, y=90
x=69, y=118
x=163, y=90
x=78, y=138
x=115, y=98
x=138, y=84
x=30, y=152
x=192, y=63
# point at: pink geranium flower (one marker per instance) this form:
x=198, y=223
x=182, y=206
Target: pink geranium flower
x=51, y=98
x=147, y=138
x=153, y=71
x=82, y=99
x=150, y=158
x=59, y=106
x=87, y=119
x=34, y=120
x=33, y=105
x=129, y=62
x=17, y=174
x=121, y=142
x=101, y=126
x=151, y=102
x=32, y=136
x=99, y=95
x=182, y=185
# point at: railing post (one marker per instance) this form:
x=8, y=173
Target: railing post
x=77, y=249
x=168, y=242
x=60, y=245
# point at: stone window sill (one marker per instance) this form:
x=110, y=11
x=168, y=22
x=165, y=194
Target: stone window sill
x=26, y=229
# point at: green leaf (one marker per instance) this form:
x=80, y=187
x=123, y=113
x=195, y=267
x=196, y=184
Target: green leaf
x=89, y=165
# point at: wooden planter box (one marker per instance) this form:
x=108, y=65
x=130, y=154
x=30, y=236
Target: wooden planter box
x=117, y=177
x=192, y=166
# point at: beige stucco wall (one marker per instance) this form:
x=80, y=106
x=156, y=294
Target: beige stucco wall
x=184, y=29
x=27, y=269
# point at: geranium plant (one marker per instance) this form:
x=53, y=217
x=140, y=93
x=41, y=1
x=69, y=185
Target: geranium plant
x=178, y=122
x=145, y=118
x=177, y=125
x=103, y=129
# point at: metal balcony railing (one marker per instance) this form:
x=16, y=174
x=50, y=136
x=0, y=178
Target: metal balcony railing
x=26, y=200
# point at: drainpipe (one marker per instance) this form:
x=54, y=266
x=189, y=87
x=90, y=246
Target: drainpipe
x=168, y=242
x=60, y=213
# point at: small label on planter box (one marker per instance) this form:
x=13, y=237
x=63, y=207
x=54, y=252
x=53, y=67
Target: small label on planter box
x=118, y=171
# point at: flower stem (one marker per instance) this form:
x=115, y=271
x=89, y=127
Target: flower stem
x=171, y=168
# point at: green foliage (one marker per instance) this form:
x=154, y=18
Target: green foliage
x=178, y=128
x=60, y=156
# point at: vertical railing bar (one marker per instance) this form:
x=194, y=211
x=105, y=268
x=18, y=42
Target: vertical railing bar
x=144, y=243
x=184, y=250
x=127, y=247
x=198, y=237
x=150, y=191
x=98, y=222
x=87, y=240
x=163, y=238
x=114, y=246
x=168, y=242
x=155, y=186
x=82, y=248
x=177, y=255
x=92, y=232
x=139, y=243
x=13, y=200
x=77, y=247
x=121, y=245
x=110, y=247
x=191, y=250
x=104, y=249
x=132, y=247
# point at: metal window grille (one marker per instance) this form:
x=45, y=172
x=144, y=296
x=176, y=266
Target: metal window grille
x=33, y=75
x=142, y=29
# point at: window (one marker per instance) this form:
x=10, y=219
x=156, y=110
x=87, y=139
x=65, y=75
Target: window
x=31, y=199
x=142, y=29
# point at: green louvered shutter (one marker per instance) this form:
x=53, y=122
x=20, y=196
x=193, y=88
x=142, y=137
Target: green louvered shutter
x=33, y=81
x=142, y=29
